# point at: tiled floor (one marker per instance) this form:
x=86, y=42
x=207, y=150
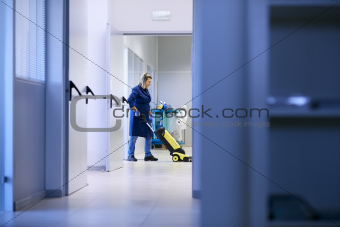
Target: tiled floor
x=140, y=194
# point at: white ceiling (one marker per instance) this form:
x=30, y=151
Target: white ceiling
x=135, y=16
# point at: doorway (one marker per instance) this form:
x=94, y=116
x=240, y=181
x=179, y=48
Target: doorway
x=168, y=59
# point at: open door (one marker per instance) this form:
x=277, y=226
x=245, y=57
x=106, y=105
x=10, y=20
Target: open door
x=115, y=57
x=77, y=155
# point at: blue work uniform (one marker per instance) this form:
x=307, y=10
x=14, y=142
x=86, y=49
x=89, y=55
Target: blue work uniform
x=140, y=98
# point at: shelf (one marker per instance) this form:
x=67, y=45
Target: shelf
x=301, y=223
x=302, y=2
x=157, y=111
x=161, y=111
x=304, y=113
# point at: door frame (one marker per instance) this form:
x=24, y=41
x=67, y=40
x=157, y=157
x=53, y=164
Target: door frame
x=7, y=104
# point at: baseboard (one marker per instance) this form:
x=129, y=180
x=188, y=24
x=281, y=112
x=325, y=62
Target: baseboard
x=78, y=189
x=96, y=168
x=196, y=194
x=116, y=169
x=29, y=201
x=54, y=193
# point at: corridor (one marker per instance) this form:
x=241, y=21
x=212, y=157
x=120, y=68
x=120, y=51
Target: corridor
x=140, y=194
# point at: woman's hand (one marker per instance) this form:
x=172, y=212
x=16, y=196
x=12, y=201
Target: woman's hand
x=134, y=109
x=150, y=114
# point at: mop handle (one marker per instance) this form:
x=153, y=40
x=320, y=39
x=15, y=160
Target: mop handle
x=143, y=117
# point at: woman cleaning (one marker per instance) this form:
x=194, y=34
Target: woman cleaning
x=139, y=102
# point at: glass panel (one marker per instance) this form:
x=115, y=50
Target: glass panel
x=131, y=81
x=152, y=86
x=135, y=69
x=30, y=40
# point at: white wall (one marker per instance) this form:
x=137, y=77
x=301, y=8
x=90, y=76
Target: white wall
x=174, y=71
x=134, y=16
x=146, y=47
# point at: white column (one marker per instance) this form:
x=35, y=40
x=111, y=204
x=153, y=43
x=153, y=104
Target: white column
x=222, y=146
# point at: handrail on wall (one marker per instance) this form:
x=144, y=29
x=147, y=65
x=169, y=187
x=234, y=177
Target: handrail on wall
x=124, y=100
x=72, y=85
x=88, y=90
x=114, y=98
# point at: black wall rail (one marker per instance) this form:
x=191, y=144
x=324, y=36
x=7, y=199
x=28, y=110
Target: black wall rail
x=124, y=100
x=88, y=90
x=72, y=85
x=113, y=98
